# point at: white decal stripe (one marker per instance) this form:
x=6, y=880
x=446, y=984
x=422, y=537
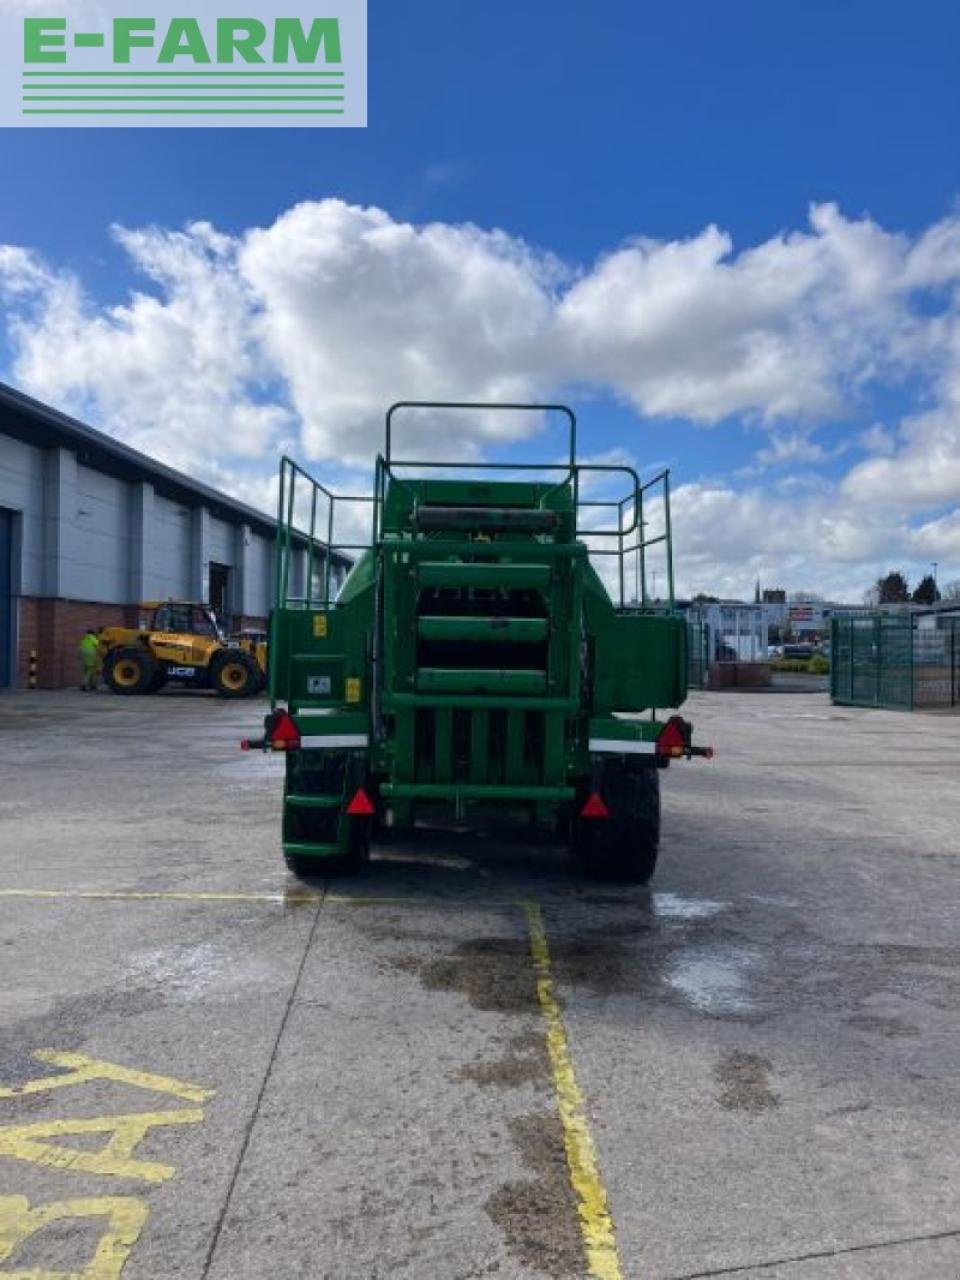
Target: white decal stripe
x=623, y=747
x=335, y=740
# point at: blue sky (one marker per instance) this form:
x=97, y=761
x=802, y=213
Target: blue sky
x=575, y=130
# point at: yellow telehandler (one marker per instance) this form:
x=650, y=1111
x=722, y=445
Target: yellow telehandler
x=181, y=641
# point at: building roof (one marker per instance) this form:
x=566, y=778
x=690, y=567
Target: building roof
x=38, y=424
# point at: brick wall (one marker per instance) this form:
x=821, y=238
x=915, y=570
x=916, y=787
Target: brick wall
x=53, y=628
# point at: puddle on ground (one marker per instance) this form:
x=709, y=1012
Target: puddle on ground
x=714, y=983
x=744, y=1080
x=185, y=972
x=449, y=862
x=672, y=906
x=538, y=1214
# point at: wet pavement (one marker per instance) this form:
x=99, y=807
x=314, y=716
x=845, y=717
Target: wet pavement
x=354, y=1079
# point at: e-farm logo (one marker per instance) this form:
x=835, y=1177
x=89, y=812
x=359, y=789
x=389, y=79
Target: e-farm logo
x=121, y=64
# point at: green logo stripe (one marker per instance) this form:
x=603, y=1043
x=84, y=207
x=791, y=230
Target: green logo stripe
x=166, y=90
x=180, y=97
x=205, y=74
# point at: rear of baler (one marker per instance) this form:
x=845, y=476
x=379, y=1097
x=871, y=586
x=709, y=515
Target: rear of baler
x=474, y=660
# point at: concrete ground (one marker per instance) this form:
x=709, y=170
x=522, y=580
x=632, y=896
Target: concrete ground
x=355, y=1084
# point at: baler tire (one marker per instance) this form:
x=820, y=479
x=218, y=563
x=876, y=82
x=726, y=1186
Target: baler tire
x=624, y=846
x=325, y=826
x=128, y=670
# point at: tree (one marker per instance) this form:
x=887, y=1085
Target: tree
x=927, y=591
x=952, y=590
x=700, y=598
x=893, y=588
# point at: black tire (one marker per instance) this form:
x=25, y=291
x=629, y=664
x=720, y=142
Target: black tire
x=234, y=674
x=129, y=669
x=623, y=846
x=158, y=681
x=334, y=774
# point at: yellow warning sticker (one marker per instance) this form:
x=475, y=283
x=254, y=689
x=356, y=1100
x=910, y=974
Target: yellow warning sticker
x=353, y=689
x=319, y=625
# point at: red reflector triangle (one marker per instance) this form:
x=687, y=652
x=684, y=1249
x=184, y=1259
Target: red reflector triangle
x=594, y=807
x=360, y=804
x=671, y=738
x=284, y=730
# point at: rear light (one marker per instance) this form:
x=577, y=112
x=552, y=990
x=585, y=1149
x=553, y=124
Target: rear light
x=673, y=738
x=283, y=734
x=594, y=807
x=360, y=806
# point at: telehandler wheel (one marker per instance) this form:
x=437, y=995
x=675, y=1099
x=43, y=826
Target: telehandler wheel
x=234, y=674
x=129, y=669
x=624, y=845
x=158, y=680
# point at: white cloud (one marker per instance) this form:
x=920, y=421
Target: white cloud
x=296, y=335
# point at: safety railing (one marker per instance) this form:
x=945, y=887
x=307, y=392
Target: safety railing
x=635, y=526
x=307, y=509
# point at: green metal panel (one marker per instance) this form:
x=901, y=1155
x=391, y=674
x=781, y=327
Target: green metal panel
x=443, y=744
x=479, y=745
x=513, y=753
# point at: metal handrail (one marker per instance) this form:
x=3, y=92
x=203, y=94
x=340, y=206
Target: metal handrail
x=386, y=467
x=483, y=406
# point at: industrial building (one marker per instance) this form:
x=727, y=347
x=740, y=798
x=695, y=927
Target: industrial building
x=89, y=528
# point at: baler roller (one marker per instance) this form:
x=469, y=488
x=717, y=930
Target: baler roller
x=460, y=573
x=437, y=519
x=483, y=630
x=447, y=680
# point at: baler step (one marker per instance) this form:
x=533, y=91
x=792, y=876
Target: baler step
x=493, y=573
x=443, y=680
x=299, y=849
x=484, y=630
x=313, y=802
x=469, y=791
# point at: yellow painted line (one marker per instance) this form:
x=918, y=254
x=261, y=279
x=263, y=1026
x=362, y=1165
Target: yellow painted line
x=596, y=1225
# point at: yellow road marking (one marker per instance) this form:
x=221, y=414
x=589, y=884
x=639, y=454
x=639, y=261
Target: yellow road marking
x=125, y=1214
x=83, y=1069
x=116, y=1158
x=596, y=1225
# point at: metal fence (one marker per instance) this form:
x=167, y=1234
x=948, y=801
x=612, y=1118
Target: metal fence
x=895, y=661
x=698, y=653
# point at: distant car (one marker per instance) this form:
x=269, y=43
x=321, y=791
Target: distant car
x=798, y=651
x=774, y=650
